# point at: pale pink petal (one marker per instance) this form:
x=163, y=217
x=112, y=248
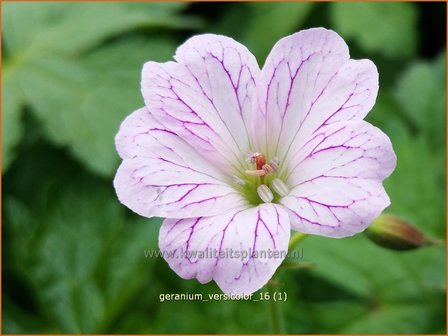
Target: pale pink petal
x=336, y=179
x=309, y=81
x=206, y=96
x=260, y=236
x=161, y=175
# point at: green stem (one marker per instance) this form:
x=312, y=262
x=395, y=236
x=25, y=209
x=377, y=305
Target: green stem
x=278, y=325
x=297, y=238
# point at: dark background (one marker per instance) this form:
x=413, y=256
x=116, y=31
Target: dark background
x=73, y=256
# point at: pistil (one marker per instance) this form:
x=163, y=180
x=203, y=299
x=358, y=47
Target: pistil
x=268, y=182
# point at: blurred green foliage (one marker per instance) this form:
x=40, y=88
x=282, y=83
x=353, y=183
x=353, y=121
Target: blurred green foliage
x=386, y=28
x=73, y=256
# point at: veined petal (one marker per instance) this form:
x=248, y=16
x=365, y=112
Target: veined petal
x=161, y=175
x=240, y=250
x=336, y=179
x=206, y=96
x=309, y=81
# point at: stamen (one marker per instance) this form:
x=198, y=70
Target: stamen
x=265, y=193
x=275, y=164
x=262, y=169
x=279, y=187
x=268, y=169
x=255, y=172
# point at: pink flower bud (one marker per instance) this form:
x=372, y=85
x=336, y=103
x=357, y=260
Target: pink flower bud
x=396, y=234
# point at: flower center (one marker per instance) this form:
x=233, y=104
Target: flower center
x=260, y=182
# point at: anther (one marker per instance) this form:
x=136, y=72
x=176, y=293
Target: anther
x=275, y=164
x=279, y=187
x=268, y=169
x=265, y=193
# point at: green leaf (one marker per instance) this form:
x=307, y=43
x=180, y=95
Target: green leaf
x=81, y=98
x=421, y=93
x=384, y=110
x=415, y=187
x=111, y=97
x=17, y=321
x=84, y=259
x=363, y=317
x=12, y=129
x=111, y=91
x=400, y=318
x=75, y=27
x=272, y=21
x=386, y=28
x=81, y=103
x=392, y=291
x=88, y=24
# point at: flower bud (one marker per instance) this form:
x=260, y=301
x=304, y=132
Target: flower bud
x=396, y=234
